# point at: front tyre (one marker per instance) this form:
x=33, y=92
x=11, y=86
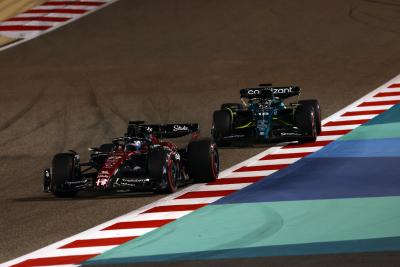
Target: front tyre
x=63, y=170
x=203, y=161
x=222, y=126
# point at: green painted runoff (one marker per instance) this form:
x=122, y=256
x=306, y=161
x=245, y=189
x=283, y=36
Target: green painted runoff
x=218, y=227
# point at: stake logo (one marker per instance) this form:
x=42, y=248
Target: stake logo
x=180, y=128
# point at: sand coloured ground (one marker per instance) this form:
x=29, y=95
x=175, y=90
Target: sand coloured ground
x=10, y=8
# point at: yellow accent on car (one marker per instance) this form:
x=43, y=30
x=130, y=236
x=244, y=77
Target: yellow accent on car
x=245, y=126
x=231, y=111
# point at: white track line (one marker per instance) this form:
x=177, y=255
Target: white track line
x=189, y=201
x=340, y=127
x=357, y=117
x=274, y=161
x=383, y=107
x=328, y=137
x=223, y=187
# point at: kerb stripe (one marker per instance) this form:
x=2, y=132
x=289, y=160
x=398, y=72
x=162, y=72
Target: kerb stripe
x=44, y=19
x=72, y=3
x=313, y=144
x=76, y=259
x=24, y=28
x=238, y=180
x=363, y=112
x=261, y=168
x=57, y=10
x=98, y=242
x=138, y=224
x=201, y=194
x=395, y=85
x=379, y=103
x=336, y=132
x=383, y=94
x=175, y=208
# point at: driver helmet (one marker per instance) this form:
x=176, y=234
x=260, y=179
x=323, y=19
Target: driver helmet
x=134, y=146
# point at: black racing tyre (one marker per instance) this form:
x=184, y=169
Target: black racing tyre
x=203, y=161
x=232, y=106
x=63, y=169
x=317, y=109
x=222, y=126
x=305, y=120
x=164, y=170
x=106, y=148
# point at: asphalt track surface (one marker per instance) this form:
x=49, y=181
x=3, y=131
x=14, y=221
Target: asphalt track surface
x=165, y=61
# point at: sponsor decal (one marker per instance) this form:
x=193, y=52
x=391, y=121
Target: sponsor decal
x=180, y=128
x=281, y=90
x=136, y=180
x=290, y=134
x=253, y=92
x=234, y=136
x=101, y=181
x=284, y=90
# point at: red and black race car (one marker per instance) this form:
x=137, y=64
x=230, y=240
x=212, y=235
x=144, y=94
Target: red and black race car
x=140, y=161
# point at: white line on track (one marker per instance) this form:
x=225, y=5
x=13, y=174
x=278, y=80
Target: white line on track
x=30, y=23
x=223, y=187
x=384, y=98
x=357, y=117
x=382, y=107
x=340, y=127
x=155, y=216
x=328, y=137
x=65, y=7
x=274, y=161
x=188, y=201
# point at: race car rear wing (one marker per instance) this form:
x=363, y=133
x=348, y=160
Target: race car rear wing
x=138, y=129
x=269, y=92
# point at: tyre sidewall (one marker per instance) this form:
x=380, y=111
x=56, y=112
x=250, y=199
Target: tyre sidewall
x=63, y=170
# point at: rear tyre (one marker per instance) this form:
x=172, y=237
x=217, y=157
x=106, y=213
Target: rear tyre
x=222, y=126
x=317, y=110
x=163, y=169
x=203, y=161
x=305, y=120
x=232, y=106
x=63, y=170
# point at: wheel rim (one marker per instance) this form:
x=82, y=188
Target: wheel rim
x=214, y=161
x=172, y=173
x=314, y=126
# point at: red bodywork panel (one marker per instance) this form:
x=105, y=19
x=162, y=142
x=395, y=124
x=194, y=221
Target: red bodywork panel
x=112, y=163
x=118, y=157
